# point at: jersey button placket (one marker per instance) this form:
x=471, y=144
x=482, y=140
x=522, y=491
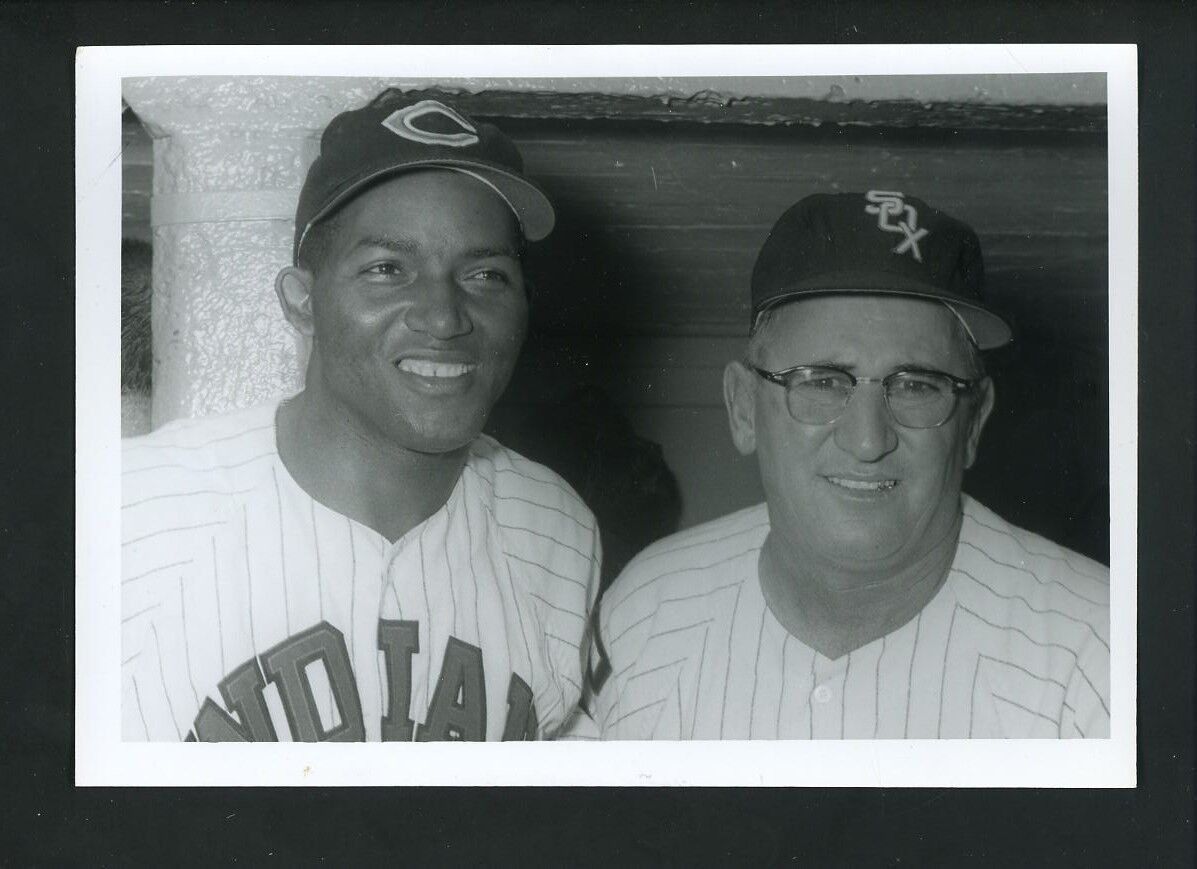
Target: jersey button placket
x=388, y=579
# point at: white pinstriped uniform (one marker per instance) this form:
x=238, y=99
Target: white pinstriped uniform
x=225, y=559
x=1015, y=644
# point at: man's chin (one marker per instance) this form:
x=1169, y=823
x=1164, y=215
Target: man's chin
x=863, y=549
x=435, y=441
x=440, y=448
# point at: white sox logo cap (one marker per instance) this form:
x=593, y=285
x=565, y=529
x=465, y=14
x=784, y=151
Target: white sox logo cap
x=396, y=133
x=889, y=207
x=881, y=241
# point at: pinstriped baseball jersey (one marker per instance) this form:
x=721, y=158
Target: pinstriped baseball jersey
x=1014, y=644
x=253, y=612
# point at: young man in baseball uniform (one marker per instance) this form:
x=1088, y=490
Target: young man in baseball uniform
x=359, y=562
x=868, y=597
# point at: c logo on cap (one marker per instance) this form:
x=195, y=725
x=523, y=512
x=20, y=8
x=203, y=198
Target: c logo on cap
x=401, y=123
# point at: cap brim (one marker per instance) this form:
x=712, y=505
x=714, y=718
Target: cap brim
x=532, y=207
x=988, y=330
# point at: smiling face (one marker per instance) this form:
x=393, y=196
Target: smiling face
x=417, y=310
x=861, y=493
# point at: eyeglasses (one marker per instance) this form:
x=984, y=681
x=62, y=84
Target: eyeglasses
x=818, y=395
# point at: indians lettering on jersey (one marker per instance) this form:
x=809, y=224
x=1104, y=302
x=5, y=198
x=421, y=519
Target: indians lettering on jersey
x=251, y=611
x=458, y=710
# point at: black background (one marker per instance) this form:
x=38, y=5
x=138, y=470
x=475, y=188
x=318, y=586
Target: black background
x=47, y=820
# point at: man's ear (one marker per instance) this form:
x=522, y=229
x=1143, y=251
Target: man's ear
x=980, y=416
x=293, y=286
x=739, y=395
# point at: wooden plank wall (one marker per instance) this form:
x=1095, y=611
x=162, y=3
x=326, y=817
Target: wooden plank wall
x=642, y=291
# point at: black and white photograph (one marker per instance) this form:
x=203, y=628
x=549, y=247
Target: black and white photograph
x=768, y=403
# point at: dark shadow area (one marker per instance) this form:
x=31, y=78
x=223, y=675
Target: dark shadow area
x=1044, y=459
x=623, y=477
x=137, y=353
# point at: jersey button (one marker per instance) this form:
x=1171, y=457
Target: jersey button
x=822, y=694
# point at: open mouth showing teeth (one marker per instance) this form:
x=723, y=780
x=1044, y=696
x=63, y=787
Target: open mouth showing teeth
x=863, y=485
x=428, y=368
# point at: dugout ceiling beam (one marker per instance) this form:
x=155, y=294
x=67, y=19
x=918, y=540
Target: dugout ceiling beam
x=718, y=108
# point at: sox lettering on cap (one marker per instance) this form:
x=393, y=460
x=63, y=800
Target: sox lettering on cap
x=880, y=241
x=396, y=133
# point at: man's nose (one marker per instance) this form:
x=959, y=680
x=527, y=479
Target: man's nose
x=439, y=309
x=866, y=429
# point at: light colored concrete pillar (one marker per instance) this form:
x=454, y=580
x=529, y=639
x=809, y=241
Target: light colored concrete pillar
x=230, y=154
x=226, y=181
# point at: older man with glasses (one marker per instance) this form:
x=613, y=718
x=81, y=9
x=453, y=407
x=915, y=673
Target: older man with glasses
x=868, y=597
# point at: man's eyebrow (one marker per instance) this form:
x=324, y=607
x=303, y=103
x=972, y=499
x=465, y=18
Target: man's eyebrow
x=486, y=252
x=908, y=365
x=829, y=363
x=941, y=367
x=399, y=245
x=407, y=246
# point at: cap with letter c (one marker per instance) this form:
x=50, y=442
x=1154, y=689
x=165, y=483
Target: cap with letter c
x=882, y=242
x=395, y=133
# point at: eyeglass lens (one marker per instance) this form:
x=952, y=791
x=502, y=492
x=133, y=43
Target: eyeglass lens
x=916, y=399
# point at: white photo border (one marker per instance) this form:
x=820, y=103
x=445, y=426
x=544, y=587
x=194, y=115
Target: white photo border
x=101, y=758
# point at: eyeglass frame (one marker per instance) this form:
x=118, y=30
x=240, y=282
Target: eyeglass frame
x=959, y=386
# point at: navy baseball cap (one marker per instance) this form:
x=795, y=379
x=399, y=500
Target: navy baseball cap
x=876, y=242
x=396, y=133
